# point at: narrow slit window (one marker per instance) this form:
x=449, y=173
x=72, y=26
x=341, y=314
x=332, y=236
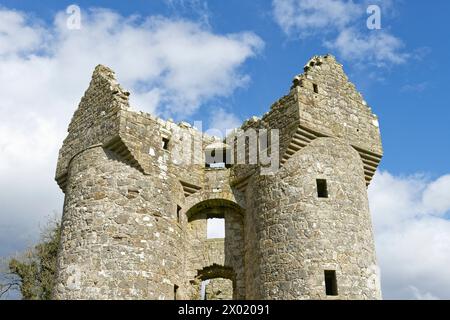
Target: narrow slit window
x=316, y=88
x=322, y=189
x=165, y=143
x=331, y=283
x=203, y=289
x=178, y=214
x=175, y=292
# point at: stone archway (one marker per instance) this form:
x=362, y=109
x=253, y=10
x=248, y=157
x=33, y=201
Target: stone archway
x=204, y=256
x=204, y=199
x=220, y=282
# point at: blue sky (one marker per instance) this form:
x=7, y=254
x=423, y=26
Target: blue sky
x=410, y=98
x=402, y=70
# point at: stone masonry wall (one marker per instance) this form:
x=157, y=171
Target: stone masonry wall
x=115, y=243
x=299, y=235
x=338, y=109
x=219, y=289
x=138, y=195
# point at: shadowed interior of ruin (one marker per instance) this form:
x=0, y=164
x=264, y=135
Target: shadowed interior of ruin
x=221, y=257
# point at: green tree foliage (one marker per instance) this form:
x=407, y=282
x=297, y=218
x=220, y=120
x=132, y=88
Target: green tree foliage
x=36, y=268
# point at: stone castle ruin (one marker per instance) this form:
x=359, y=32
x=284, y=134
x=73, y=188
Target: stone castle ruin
x=137, y=200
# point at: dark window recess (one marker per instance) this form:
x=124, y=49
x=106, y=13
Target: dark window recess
x=331, y=283
x=217, y=158
x=165, y=143
x=178, y=214
x=316, y=88
x=175, y=292
x=322, y=190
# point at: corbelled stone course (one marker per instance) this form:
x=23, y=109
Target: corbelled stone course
x=138, y=196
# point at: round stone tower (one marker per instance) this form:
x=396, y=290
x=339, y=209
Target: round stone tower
x=120, y=232
x=308, y=223
x=313, y=226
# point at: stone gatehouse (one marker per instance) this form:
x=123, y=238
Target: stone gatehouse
x=137, y=202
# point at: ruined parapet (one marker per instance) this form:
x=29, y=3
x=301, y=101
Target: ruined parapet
x=322, y=102
x=330, y=105
x=95, y=121
x=104, y=118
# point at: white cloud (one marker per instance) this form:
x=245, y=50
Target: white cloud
x=306, y=17
x=379, y=47
x=222, y=121
x=342, y=25
x=197, y=7
x=412, y=235
x=422, y=296
x=415, y=87
x=171, y=66
x=16, y=36
x=184, y=62
x=436, y=196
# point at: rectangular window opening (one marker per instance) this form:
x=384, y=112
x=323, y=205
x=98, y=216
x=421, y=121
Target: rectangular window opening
x=178, y=214
x=203, y=289
x=330, y=283
x=215, y=228
x=322, y=190
x=165, y=143
x=316, y=88
x=175, y=292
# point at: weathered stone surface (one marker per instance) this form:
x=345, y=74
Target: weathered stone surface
x=219, y=289
x=137, y=201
